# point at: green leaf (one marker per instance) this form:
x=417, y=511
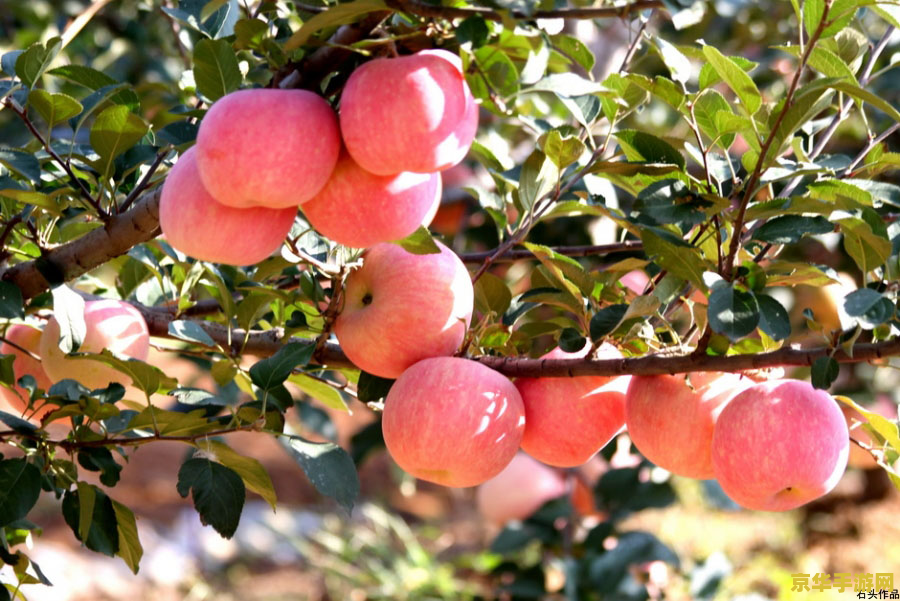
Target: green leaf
x=20, y=487
x=733, y=312
x=674, y=255
x=115, y=130
x=11, y=303
x=32, y=63
x=868, y=249
x=538, y=178
x=372, y=388
x=54, y=108
x=706, y=106
x=216, y=69
x=218, y=493
x=496, y=72
x=68, y=309
x=606, y=320
x=320, y=391
x=735, y=77
x=824, y=61
x=22, y=163
x=250, y=470
x=172, y=423
x=473, y=30
x=571, y=340
x=886, y=428
x=339, y=14
x=190, y=331
x=148, y=378
x=824, y=372
x=853, y=89
x=271, y=372
x=102, y=532
x=492, y=295
x=420, y=242
x=86, y=76
x=773, y=318
x=130, y=549
x=562, y=150
x=677, y=63
x=788, y=229
x=328, y=467
x=641, y=146
x=575, y=49
x=100, y=459
x=869, y=307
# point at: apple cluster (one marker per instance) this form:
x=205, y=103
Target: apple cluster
x=366, y=176
x=772, y=445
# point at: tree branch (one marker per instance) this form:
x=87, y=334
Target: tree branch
x=91, y=250
x=417, y=7
x=264, y=343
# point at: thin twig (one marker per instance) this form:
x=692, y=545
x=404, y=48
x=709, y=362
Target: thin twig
x=145, y=181
x=417, y=7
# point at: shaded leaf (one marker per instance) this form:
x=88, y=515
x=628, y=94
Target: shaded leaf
x=20, y=487
x=217, y=491
x=216, y=70
x=271, y=372
x=328, y=467
x=733, y=312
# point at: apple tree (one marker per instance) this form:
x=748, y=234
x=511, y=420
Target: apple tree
x=654, y=187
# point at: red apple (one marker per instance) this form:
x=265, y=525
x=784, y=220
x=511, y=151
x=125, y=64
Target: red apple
x=400, y=308
x=268, y=148
x=780, y=444
x=197, y=225
x=519, y=490
x=357, y=208
x=412, y=113
x=569, y=419
x=670, y=419
x=28, y=338
x=452, y=421
x=111, y=324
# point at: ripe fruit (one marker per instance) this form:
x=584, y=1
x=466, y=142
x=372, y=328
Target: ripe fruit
x=779, y=444
x=400, y=308
x=670, y=419
x=570, y=419
x=112, y=325
x=452, y=421
x=29, y=339
x=268, y=148
x=412, y=113
x=357, y=208
x=519, y=490
x=199, y=226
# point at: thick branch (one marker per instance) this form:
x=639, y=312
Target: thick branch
x=95, y=248
x=268, y=342
x=422, y=9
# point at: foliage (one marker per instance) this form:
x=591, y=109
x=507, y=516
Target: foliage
x=730, y=151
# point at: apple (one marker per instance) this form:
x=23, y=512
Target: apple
x=267, y=147
x=359, y=209
x=400, y=308
x=28, y=338
x=197, y=225
x=780, y=444
x=569, y=419
x=519, y=490
x=670, y=419
x=111, y=324
x=411, y=113
x=452, y=421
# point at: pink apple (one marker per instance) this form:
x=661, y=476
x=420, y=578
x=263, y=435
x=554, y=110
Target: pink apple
x=28, y=338
x=412, y=113
x=780, y=444
x=569, y=419
x=267, y=148
x=111, y=324
x=357, y=208
x=519, y=490
x=400, y=308
x=194, y=223
x=670, y=419
x=452, y=421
